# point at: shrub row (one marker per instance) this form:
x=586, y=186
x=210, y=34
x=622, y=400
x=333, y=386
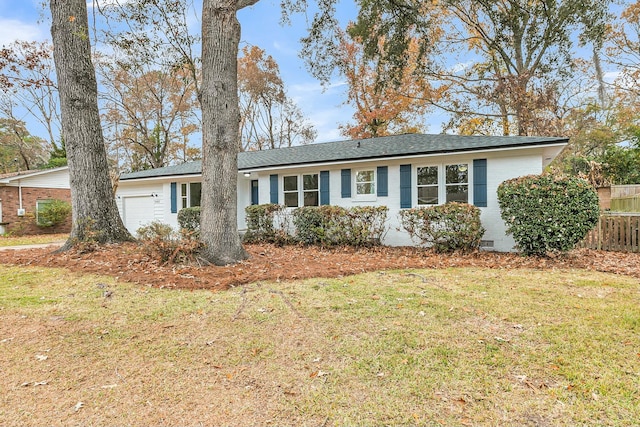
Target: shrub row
x=445, y=228
x=335, y=225
x=268, y=223
x=324, y=225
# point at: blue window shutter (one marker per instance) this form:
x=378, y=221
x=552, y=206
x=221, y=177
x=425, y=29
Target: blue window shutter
x=480, y=182
x=324, y=187
x=383, y=181
x=273, y=180
x=405, y=186
x=254, y=191
x=174, y=197
x=346, y=183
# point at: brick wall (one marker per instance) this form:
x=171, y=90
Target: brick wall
x=27, y=224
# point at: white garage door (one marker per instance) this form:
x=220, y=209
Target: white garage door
x=138, y=211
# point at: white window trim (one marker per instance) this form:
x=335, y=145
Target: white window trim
x=468, y=183
x=300, y=189
x=187, y=195
x=354, y=186
x=442, y=190
x=439, y=185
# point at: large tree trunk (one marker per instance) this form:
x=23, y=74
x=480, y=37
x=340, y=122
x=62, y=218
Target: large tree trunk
x=220, y=120
x=94, y=212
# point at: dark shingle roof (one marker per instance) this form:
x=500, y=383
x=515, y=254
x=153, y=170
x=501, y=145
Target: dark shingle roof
x=341, y=151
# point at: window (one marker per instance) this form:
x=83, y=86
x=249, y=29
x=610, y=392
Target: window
x=290, y=186
x=457, y=183
x=254, y=191
x=442, y=184
x=190, y=193
x=365, y=183
x=310, y=190
x=428, y=185
x=40, y=205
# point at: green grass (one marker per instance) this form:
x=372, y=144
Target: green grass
x=6, y=240
x=435, y=347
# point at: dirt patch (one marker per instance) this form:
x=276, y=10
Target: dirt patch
x=128, y=262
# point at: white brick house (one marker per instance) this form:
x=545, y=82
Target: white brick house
x=399, y=172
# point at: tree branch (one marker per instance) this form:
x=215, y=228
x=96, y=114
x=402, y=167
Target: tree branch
x=241, y=4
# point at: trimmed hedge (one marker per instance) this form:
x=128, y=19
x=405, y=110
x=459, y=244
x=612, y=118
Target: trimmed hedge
x=444, y=228
x=311, y=225
x=266, y=223
x=335, y=225
x=548, y=214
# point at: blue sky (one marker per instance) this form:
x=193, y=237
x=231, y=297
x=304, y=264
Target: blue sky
x=27, y=20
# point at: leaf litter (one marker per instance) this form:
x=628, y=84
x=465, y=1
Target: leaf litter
x=129, y=262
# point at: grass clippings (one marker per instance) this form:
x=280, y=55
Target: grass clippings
x=454, y=346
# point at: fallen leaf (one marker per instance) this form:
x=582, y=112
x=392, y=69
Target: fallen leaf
x=318, y=373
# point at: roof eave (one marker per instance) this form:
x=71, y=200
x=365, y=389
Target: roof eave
x=556, y=143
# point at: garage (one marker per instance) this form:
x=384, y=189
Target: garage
x=137, y=211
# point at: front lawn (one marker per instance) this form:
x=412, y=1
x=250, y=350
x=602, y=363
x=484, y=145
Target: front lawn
x=6, y=240
x=456, y=346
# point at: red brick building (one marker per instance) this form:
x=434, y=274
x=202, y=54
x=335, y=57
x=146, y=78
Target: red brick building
x=21, y=194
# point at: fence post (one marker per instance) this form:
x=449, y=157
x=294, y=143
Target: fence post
x=599, y=244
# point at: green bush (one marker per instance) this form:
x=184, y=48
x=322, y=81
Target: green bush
x=267, y=223
x=444, y=228
x=53, y=213
x=310, y=224
x=548, y=214
x=189, y=221
x=335, y=225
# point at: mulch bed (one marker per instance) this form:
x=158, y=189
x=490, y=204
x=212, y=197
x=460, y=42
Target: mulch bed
x=130, y=262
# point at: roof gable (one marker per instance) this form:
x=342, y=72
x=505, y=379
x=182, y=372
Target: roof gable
x=372, y=148
x=17, y=176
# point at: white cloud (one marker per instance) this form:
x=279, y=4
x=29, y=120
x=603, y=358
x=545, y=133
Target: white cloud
x=610, y=76
x=12, y=30
x=461, y=66
x=326, y=122
x=315, y=86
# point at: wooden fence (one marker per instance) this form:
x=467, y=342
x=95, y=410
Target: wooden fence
x=626, y=204
x=615, y=232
